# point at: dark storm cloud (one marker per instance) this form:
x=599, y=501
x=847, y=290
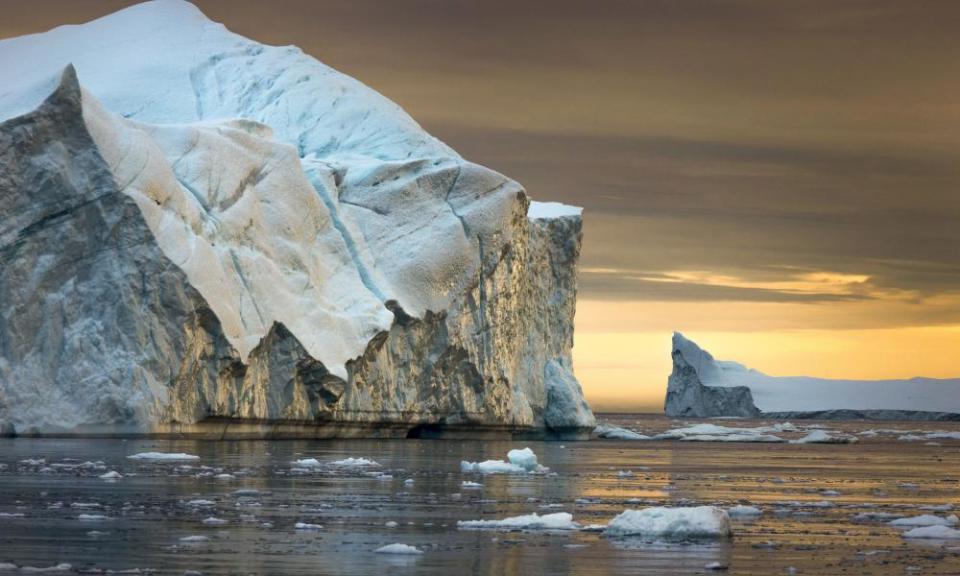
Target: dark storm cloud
x=748, y=138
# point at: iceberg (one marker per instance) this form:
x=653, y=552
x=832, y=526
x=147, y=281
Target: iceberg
x=205, y=235
x=702, y=387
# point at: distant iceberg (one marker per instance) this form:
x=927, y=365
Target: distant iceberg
x=703, y=387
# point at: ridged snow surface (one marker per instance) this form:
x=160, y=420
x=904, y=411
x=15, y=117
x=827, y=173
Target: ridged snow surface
x=704, y=387
x=199, y=226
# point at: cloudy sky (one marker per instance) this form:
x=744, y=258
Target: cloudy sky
x=778, y=180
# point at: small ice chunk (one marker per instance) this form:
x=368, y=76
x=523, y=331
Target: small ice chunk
x=306, y=463
x=307, y=526
x=111, y=475
x=212, y=521
x=491, y=467
x=611, y=432
x=354, y=462
x=467, y=485
x=822, y=437
x=225, y=477
x=671, y=523
x=925, y=520
x=63, y=567
x=524, y=458
x=163, y=456
x=744, y=511
x=556, y=521
x=521, y=461
x=398, y=548
x=194, y=539
x=11, y=514
x=391, y=524
x=716, y=566
x=933, y=533
x=200, y=502
x=93, y=518
x=408, y=482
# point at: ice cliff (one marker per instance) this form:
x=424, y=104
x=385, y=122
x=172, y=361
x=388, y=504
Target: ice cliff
x=701, y=386
x=203, y=234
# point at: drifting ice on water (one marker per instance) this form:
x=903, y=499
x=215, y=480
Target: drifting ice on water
x=200, y=233
x=701, y=386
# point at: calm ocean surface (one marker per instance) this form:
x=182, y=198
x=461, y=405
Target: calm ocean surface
x=56, y=510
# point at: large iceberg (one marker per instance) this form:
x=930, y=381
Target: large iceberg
x=203, y=234
x=703, y=387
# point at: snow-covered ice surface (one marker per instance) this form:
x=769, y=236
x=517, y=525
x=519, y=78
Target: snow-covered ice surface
x=825, y=508
x=701, y=386
x=286, y=220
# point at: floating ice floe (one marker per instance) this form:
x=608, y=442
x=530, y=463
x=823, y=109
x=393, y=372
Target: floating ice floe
x=671, y=523
x=822, y=437
x=398, y=548
x=194, y=539
x=933, y=533
x=611, y=432
x=111, y=475
x=7, y=567
x=306, y=463
x=521, y=461
x=11, y=515
x=556, y=521
x=715, y=433
x=354, y=463
x=200, y=503
x=744, y=512
x=925, y=520
x=170, y=456
x=391, y=524
x=93, y=518
x=467, y=485
x=307, y=526
x=212, y=521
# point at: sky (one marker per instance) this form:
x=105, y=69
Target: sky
x=776, y=180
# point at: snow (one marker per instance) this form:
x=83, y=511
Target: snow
x=521, y=461
x=611, y=432
x=925, y=520
x=823, y=437
x=539, y=210
x=556, y=521
x=163, y=456
x=671, y=523
x=398, y=548
x=809, y=394
x=933, y=533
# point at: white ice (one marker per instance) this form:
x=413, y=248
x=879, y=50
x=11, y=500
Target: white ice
x=611, y=432
x=556, y=521
x=163, y=456
x=823, y=437
x=671, y=523
x=398, y=548
x=925, y=520
x=933, y=533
